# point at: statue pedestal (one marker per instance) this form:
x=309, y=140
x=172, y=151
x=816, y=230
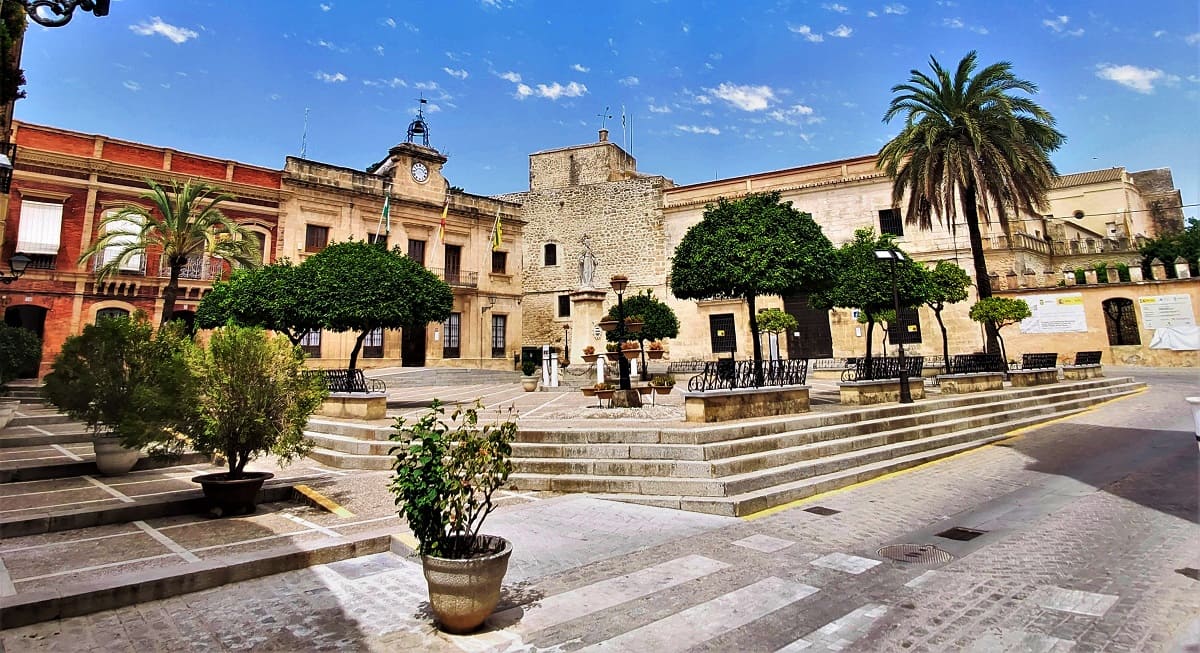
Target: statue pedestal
x=587, y=307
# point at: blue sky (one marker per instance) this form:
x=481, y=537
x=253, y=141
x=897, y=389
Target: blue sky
x=712, y=88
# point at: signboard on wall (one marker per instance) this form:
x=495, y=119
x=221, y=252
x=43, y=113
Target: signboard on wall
x=1059, y=313
x=1167, y=311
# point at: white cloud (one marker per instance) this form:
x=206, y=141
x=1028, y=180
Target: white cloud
x=456, y=73
x=379, y=50
x=410, y=27
x=897, y=9
x=841, y=9
x=274, y=96
x=325, y=6
x=806, y=32
x=394, y=82
x=1139, y=79
x=328, y=45
x=871, y=14
x=1159, y=33
x=511, y=77
x=1192, y=39
x=629, y=81
x=523, y=91
x=703, y=99
x=1059, y=26
x=794, y=114
x=432, y=108
x=744, y=97
x=496, y=4
x=685, y=27
x=556, y=90
x=132, y=85
x=580, y=68
x=693, y=129
x=841, y=32
x=157, y=26
x=330, y=79
x=654, y=108
x=390, y=22
x=427, y=86
x=957, y=23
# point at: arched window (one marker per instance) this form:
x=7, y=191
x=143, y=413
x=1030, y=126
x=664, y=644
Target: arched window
x=550, y=254
x=106, y=313
x=1121, y=321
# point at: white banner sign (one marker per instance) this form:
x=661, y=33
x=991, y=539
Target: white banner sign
x=1061, y=313
x=1167, y=311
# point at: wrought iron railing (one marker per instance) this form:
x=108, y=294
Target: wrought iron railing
x=728, y=374
x=346, y=381
x=137, y=266
x=196, y=269
x=977, y=363
x=460, y=278
x=884, y=368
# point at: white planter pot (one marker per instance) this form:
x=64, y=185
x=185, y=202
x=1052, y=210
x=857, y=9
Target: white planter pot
x=111, y=458
x=1194, y=403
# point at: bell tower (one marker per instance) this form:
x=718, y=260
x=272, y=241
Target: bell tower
x=417, y=167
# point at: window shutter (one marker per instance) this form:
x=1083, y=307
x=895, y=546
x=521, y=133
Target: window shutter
x=128, y=226
x=40, y=231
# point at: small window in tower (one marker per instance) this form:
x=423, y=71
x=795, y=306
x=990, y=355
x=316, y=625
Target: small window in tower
x=550, y=254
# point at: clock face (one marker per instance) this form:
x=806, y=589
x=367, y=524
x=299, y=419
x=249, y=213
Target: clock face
x=420, y=172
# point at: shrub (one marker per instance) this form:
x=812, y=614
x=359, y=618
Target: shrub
x=663, y=380
x=445, y=475
x=528, y=367
x=20, y=353
x=1122, y=272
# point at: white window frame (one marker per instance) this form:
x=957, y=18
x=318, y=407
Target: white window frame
x=132, y=226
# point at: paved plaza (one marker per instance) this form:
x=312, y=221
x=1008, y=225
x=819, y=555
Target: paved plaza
x=1080, y=535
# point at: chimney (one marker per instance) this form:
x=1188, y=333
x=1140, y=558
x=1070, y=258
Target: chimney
x=603, y=135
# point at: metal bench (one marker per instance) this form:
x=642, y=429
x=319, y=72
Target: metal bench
x=1039, y=361
x=976, y=363
x=347, y=381
x=1087, y=358
x=882, y=368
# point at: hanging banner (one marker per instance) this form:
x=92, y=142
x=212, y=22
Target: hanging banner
x=1167, y=311
x=1062, y=313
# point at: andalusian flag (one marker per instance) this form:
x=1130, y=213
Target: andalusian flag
x=497, y=232
x=386, y=218
x=442, y=224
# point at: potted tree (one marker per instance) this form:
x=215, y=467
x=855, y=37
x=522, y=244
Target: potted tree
x=251, y=399
x=445, y=475
x=589, y=354
x=128, y=384
x=529, y=382
x=663, y=383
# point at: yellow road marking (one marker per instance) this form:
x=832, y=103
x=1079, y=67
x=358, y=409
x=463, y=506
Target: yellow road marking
x=323, y=501
x=1011, y=435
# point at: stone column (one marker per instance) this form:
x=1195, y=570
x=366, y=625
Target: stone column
x=1068, y=276
x=1089, y=276
x=1113, y=275
x=587, y=307
x=1158, y=271
x=1135, y=273
x=1182, y=270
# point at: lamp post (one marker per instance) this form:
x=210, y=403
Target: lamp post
x=619, y=284
x=18, y=263
x=893, y=255
x=566, y=357
x=56, y=13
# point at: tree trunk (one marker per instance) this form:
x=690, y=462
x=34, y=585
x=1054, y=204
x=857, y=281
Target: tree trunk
x=645, y=374
x=172, y=289
x=870, y=331
x=983, y=284
x=295, y=338
x=937, y=314
x=358, y=342
x=758, y=375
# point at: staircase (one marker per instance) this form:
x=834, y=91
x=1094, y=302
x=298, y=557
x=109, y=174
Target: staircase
x=744, y=467
x=439, y=376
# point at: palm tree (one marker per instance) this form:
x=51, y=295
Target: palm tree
x=184, y=222
x=969, y=140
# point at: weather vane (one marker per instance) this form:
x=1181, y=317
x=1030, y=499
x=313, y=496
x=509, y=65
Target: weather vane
x=604, y=116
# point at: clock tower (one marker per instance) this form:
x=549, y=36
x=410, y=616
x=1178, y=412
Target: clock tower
x=416, y=168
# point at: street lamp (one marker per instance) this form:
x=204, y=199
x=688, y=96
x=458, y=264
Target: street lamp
x=894, y=255
x=17, y=264
x=56, y=13
x=619, y=283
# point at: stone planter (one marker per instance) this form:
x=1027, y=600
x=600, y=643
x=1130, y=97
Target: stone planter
x=590, y=358
x=463, y=592
x=631, y=354
x=112, y=459
x=613, y=355
x=608, y=325
x=663, y=389
x=604, y=394
x=232, y=497
x=655, y=354
x=644, y=390
x=1194, y=403
x=529, y=383
x=634, y=327
x=588, y=391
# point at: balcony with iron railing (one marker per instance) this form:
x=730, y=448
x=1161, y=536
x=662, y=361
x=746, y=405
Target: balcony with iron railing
x=136, y=266
x=196, y=269
x=457, y=278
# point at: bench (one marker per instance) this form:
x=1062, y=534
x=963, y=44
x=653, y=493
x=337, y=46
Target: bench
x=973, y=373
x=351, y=394
x=882, y=367
x=1087, y=366
x=858, y=388
x=1036, y=369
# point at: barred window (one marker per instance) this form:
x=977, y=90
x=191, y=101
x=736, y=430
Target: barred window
x=890, y=222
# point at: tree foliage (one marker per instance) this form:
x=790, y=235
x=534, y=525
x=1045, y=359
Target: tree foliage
x=20, y=353
x=659, y=321
x=184, y=222
x=945, y=284
x=1170, y=246
x=12, y=77
x=251, y=397
x=969, y=138
x=999, y=312
x=774, y=320
x=267, y=297
x=122, y=377
x=752, y=246
x=356, y=286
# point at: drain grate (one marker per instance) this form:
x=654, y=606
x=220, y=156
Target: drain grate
x=920, y=554
x=1190, y=572
x=822, y=511
x=961, y=534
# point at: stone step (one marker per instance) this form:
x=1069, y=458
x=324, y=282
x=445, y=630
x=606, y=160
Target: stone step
x=369, y=431
x=352, y=445
x=340, y=460
x=35, y=393
x=38, y=418
x=27, y=436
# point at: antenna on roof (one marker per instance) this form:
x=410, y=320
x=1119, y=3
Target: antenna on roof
x=304, y=136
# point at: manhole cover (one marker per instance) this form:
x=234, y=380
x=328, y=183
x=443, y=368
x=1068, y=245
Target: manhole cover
x=961, y=534
x=921, y=554
x=822, y=511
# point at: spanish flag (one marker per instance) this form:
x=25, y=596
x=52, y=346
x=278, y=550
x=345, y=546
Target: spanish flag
x=497, y=232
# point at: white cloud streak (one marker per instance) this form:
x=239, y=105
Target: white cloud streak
x=176, y=34
x=842, y=32
x=1141, y=80
x=330, y=79
x=693, y=129
x=456, y=73
x=806, y=32
x=744, y=97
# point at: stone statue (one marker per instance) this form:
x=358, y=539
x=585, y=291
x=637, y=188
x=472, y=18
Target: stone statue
x=587, y=265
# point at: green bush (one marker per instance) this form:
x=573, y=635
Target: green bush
x=445, y=475
x=20, y=353
x=1080, y=276
x=251, y=397
x=528, y=367
x=122, y=377
x=1122, y=272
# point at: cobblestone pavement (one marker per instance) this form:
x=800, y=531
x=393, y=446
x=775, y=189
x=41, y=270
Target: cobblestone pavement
x=1084, y=534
